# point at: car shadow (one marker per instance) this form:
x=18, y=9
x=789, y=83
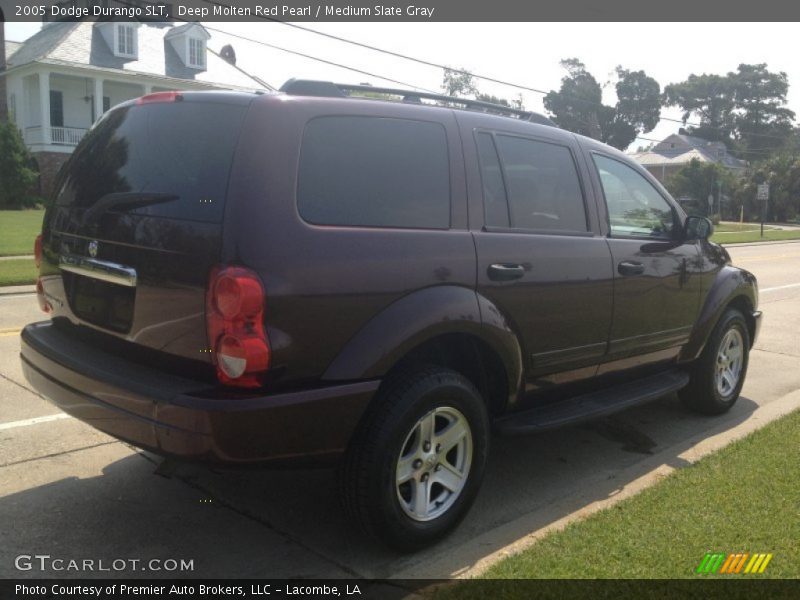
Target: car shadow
x=287, y=523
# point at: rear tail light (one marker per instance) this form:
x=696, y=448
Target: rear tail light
x=37, y=251
x=235, y=319
x=40, y=297
x=37, y=259
x=160, y=97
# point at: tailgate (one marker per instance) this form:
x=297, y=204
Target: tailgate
x=136, y=222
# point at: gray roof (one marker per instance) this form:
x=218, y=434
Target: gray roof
x=11, y=48
x=680, y=148
x=82, y=45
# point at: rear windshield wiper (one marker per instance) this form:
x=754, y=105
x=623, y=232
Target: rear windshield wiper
x=127, y=199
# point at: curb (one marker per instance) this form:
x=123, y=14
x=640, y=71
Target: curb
x=764, y=243
x=10, y=290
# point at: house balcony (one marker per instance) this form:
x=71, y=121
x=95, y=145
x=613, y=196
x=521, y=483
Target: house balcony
x=59, y=136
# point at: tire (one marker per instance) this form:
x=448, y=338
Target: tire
x=709, y=391
x=388, y=461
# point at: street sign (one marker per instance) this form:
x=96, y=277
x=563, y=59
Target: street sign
x=763, y=191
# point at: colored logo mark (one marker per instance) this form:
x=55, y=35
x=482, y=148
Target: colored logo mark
x=732, y=564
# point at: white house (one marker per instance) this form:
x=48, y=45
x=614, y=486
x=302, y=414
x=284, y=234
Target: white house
x=59, y=81
x=679, y=149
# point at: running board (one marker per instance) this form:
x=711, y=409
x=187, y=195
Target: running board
x=592, y=405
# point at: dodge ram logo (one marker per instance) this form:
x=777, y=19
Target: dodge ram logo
x=93, y=248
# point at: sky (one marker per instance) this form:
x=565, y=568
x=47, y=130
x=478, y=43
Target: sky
x=527, y=54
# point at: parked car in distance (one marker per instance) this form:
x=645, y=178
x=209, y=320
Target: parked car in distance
x=311, y=278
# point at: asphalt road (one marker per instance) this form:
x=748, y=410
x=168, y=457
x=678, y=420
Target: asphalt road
x=71, y=492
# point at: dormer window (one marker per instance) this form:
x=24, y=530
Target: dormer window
x=126, y=41
x=197, y=53
x=189, y=43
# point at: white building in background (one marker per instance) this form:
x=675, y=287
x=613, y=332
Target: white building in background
x=59, y=81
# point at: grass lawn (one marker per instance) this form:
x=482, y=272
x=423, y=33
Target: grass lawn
x=17, y=271
x=755, y=236
x=18, y=230
x=729, y=227
x=744, y=498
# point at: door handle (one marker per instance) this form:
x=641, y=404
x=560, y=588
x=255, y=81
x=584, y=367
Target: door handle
x=505, y=272
x=627, y=267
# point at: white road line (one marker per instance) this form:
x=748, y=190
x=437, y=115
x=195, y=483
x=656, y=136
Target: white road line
x=780, y=287
x=34, y=421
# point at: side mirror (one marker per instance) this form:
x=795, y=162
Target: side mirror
x=697, y=228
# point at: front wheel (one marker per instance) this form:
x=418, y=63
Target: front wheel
x=415, y=465
x=718, y=375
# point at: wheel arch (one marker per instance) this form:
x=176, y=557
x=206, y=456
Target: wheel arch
x=732, y=288
x=449, y=326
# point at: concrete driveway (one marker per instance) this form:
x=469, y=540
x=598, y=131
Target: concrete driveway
x=71, y=492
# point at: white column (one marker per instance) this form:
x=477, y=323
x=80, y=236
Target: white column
x=44, y=105
x=98, y=98
x=148, y=89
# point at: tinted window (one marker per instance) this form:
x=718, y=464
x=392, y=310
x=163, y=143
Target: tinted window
x=635, y=208
x=374, y=172
x=495, y=205
x=542, y=184
x=180, y=149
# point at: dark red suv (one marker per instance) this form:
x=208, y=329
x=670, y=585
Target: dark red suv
x=309, y=277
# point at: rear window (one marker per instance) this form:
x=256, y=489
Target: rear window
x=366, y=171
x=178, y=152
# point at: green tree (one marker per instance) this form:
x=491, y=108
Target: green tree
x=16, y=175
x=699, y=180
x=458, y=82
x=745, y=108
x=710, y=98
x=762, y=120
x=578, y=105
x=782, y=172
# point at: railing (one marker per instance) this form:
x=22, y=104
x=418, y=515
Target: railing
x=62, y=136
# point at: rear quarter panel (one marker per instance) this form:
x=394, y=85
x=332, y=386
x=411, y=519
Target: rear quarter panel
x=323, y=283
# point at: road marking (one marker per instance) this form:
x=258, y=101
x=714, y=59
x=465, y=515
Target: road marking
x=34, y=421
x=765, y=258
x=7, y=332
x=780, y=287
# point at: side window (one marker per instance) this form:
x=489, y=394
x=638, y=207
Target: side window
x=495, y=206
x=375, y=172
x=635, y=208
x=542, y=183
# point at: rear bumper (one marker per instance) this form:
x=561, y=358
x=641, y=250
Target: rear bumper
x=174, y=416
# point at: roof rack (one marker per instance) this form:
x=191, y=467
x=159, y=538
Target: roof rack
x=328, y=89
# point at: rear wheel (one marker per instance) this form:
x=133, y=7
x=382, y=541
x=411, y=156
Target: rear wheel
x=414, y=467
x=718, y=375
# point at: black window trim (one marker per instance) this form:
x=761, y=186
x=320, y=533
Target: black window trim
x=674, y=237
x=450, y=174
x=493, y=133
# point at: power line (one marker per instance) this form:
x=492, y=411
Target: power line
x=322, y=60
x=465, y=72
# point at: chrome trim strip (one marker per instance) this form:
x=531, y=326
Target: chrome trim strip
x=98, y=269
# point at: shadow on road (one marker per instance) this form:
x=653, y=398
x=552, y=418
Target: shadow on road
x=256, y=523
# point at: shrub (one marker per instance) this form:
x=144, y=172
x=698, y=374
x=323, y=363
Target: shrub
x=17, y=178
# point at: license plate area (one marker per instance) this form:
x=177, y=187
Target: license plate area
x=100, y=303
